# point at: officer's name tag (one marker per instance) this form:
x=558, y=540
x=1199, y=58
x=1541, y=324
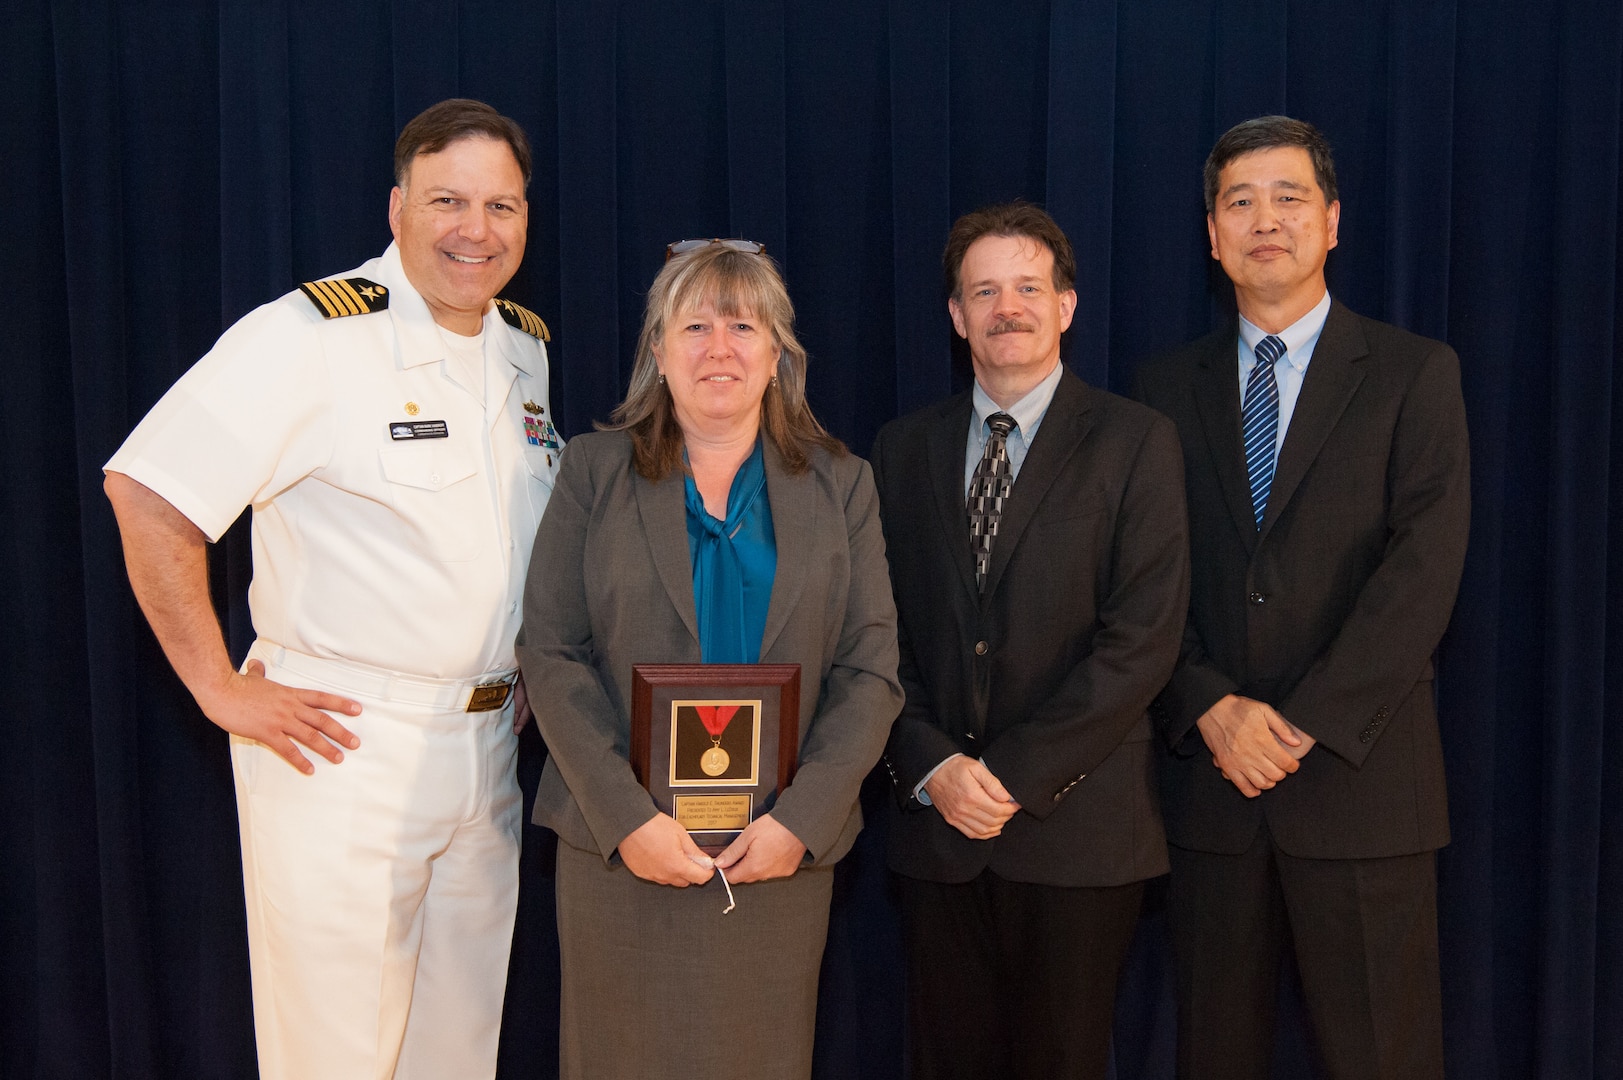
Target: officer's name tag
x=418, y=429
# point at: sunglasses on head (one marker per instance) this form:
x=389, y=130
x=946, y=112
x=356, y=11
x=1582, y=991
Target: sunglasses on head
x=748, y=247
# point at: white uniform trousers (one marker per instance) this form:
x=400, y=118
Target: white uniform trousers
x=381, y=891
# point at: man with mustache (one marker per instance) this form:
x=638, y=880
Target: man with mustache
x=1328, y=485
x=389, y=428
x=1035, y=527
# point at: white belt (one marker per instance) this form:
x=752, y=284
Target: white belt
x=482, y=693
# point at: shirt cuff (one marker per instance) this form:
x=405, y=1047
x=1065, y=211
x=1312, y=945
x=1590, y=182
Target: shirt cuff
x=918, y=789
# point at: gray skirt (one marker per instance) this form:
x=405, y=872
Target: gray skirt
x=658, y=983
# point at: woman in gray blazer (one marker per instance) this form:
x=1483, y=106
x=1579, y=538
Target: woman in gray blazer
x=713, y=521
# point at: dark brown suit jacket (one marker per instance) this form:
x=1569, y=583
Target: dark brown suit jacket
x=1332, y=610
x=1049, y=674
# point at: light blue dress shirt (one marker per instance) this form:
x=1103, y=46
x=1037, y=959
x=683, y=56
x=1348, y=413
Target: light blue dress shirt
x=1028, y=415
x=1300, y=338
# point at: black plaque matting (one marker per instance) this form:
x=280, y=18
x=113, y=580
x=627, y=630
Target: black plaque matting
x=761, y=742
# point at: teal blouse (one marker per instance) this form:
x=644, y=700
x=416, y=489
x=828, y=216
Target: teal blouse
x=734, y=564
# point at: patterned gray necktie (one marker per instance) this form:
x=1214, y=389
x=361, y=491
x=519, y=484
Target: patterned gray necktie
x=988, y=489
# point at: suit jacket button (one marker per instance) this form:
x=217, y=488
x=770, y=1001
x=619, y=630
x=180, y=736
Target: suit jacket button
x=980, y=648
x=1257, y=598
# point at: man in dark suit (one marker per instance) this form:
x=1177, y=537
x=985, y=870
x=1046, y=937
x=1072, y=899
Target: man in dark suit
x=1036, y=534
x=1328, y=495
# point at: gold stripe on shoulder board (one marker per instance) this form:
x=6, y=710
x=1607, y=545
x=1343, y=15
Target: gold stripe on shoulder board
x=523, y=318
x=338, y=297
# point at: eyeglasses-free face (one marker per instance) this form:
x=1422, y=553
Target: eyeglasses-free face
x=717, y=368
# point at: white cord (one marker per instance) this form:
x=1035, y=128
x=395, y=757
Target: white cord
x=731, y=903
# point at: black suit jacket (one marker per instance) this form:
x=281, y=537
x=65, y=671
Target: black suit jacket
x=1332, y=610
x=1047, y=676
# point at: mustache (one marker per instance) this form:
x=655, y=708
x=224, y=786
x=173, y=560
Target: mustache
x=1010, y=326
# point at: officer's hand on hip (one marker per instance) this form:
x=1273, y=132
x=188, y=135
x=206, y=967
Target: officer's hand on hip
x=282, y=717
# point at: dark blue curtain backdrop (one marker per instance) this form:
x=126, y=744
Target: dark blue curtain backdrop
x=170, y=165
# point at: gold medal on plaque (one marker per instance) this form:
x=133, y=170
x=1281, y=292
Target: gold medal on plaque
x=714, y=744
x=715, y=718
x=714, y=761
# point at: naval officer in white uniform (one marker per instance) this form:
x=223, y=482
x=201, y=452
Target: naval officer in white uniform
x=390, y=428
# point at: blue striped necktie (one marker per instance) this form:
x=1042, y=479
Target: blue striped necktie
x=1259, y=422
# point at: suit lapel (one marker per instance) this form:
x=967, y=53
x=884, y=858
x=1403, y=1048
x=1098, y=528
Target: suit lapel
x=1331, y=380
x=1066, y=423
x=794, y=523
x=662, y=509
x=945, y=450
x=1217, y=397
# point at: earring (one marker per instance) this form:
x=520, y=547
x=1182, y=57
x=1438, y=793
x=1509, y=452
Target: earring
x=662, y=378
x=774, y=378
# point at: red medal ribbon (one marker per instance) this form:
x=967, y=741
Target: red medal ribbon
x=715, y=717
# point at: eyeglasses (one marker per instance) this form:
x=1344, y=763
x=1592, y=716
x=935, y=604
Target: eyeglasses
x=681, y=247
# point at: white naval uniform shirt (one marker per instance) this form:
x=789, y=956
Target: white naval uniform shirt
x=404, y=554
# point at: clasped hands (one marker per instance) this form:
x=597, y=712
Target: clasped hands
x=1253, y=746
x=970, y=798
x=662, y=851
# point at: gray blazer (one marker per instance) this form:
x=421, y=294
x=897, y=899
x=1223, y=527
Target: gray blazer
x=611, y=585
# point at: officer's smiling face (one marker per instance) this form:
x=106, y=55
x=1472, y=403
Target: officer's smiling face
x=460, y=222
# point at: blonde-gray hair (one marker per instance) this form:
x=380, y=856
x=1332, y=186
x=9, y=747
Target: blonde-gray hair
x=735, y=283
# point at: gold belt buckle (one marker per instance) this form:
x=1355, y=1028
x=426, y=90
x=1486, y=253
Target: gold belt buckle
x=489, y=696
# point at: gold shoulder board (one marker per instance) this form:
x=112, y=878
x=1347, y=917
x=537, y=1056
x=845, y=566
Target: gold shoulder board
x=337, y=297
x=523, y=318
